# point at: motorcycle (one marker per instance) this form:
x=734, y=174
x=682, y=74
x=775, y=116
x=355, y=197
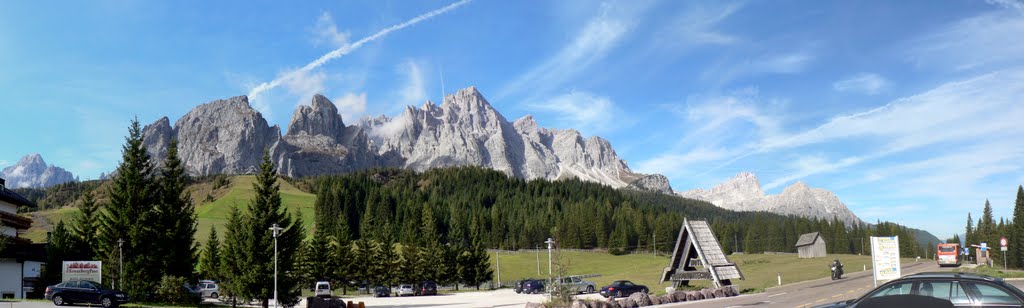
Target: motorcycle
x=837, y=272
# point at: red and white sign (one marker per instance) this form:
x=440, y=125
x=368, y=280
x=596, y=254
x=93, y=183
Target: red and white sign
x=83, y=270
x=1002, y=242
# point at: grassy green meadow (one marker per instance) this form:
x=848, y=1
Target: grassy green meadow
x=209, y=214
x=759, y=270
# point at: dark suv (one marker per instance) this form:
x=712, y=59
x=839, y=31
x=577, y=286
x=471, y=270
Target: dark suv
x=84, y=292
x=533, y=286
x=941, y=289
x=426, y=288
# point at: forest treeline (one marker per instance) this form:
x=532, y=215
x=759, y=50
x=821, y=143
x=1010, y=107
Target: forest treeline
x=466, y=203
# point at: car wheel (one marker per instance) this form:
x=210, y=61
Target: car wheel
x=58, y=300
x=618, y=293
x=213, y=295
x=106, y=302
x=590, y=289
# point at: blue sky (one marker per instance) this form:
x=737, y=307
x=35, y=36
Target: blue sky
x=908, y=110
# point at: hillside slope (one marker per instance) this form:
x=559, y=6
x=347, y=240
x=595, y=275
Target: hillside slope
x=209, y=213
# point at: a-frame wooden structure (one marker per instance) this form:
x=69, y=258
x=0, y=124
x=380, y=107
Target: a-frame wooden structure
x=696, y=247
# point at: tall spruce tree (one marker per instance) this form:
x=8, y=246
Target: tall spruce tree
x=176, y=218
x=60, y=244
x=1016, y=238
x=209, y=262
x=232, y=256
x=129, y=217
x=969, y=236
x=255, y=249
x=84, y=227
x=317, y=260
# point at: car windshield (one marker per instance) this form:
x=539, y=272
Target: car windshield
x=322, y=287
x=947, y=249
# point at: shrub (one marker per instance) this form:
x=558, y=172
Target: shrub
x=172, y=290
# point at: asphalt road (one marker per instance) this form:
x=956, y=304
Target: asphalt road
x=802, y=295
x=814, y=292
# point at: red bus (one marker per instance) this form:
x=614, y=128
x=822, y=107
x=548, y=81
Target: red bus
x=948, y=254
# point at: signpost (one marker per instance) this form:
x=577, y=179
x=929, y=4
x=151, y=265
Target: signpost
x=83, y=270
x=885, y=258
x=1002, y=247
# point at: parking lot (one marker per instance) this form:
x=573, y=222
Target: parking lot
x=497, y=298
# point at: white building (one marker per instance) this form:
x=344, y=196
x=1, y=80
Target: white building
x=20, y=259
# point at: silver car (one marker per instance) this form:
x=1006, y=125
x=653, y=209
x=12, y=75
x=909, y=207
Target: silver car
x=404, y=289
x=209, y=289
x=579, y=285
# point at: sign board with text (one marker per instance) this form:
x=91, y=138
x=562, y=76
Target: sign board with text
x=885, y=257
x=83, y=270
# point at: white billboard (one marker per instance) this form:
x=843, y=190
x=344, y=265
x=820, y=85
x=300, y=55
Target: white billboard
x=885, y=257
x=83, y=270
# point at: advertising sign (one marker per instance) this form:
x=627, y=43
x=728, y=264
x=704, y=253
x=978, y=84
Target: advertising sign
x=885, y=257
x=83, y=270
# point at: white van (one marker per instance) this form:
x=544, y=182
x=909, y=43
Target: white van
x=322, y=289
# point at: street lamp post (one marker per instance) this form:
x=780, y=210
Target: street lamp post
x=551, y=244
x=120, y=263
x=276, y=230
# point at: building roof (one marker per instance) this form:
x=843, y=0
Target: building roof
x=14, y=198
x=808, y=239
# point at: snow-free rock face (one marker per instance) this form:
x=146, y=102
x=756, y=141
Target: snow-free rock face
x=223, y=136
x=33, y=172
x=228, y=136
x=654, y=183
x=743, y=193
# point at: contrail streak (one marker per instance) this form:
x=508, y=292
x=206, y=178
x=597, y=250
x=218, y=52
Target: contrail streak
x=348, y=48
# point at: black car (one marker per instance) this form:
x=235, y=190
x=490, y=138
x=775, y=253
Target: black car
x=84, y=292
x=426, y=288
x=519, y=285
x=533, y=286
x=956, y=289
x=620, y=288
x=381, y=291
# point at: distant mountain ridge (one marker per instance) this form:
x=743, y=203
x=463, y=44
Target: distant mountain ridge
x=744, y=193
x=31, y=171
x=229, y=136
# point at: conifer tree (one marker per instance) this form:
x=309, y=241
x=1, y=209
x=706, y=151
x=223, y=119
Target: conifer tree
x=969, y=235
x=255, y=251
x=317, y=260
x=176, y=218
x=84, y=228
x=58, y=249
x=342, y=263
x=232, y=265
x=209, y=265
x=1015, y=247
x=129, y=218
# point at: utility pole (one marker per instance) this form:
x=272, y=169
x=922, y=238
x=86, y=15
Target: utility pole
x=120, y=264
x=654, y=245
x=736, y=242
x=537, y=248
x=497, y=262
x=551, y=244
x=276, y=229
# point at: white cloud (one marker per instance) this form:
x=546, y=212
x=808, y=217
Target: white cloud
x=326, y=32
x=351, y=106
x=695, y=25
x=4, y=163
x=785, y=63
x=983, y=40
x=255, y=92
x=304, y=85
x=674, y=164
x=414, y=92
x=866, y=83
x=599, y=36
x=583, y=111
x=1009, y=4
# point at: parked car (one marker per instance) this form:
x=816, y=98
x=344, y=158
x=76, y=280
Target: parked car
x=519, y=285
x=533, y=286
x=956, y=289
x=427, y=288
x=381, y=291
x=579, y=285
x=405, y=289
x=322, y=289
x=209, y=288
x=84, y=292
x=620, y=288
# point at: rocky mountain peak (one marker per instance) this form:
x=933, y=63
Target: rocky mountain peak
x=319, y=118
x=743, y=193
x=32, y=171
